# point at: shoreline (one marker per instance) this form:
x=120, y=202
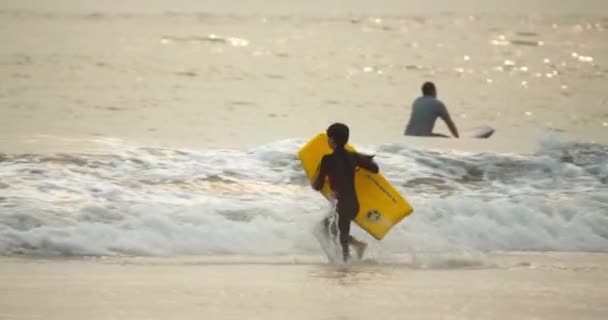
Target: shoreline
x=178, y=290
x=503, y=260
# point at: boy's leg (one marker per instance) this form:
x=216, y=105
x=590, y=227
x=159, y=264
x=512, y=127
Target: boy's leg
x=360, y=247
x=345, y=237
x=327, y=241
x=345, y=216
x=330, y=226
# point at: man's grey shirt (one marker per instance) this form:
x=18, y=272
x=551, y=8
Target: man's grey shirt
x=425, y=110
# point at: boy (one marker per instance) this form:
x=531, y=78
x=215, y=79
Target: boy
x=340, y=167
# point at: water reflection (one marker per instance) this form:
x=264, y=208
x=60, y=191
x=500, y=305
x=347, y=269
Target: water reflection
x=350, y=275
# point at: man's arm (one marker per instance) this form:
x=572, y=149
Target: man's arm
x=367, y=162
x=452, y=127
x=322, y=173
x=445, y=115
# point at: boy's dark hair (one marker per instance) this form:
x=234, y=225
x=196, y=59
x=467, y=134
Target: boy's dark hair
x=339, y=132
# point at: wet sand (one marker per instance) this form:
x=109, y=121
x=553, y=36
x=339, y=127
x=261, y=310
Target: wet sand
x=504, y=286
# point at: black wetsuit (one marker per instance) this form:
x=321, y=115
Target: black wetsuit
x=340, y=167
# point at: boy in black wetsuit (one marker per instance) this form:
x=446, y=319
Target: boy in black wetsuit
x=340, y=167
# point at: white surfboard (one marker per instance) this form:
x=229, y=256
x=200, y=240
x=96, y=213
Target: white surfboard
x=481, y=132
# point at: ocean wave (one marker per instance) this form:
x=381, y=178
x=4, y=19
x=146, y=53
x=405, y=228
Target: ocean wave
x=162, y=201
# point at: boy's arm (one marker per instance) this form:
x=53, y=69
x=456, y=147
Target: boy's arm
x=322, y=173
x=367, y=162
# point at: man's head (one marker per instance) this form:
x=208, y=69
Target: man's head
x=428, y=89
x=337, y=134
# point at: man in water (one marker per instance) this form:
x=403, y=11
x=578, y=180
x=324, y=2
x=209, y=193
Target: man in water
x=340, y=167
x=425, y=110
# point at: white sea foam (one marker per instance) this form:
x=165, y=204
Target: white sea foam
x=157, y=201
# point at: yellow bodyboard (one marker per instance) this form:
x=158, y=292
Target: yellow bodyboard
x=380, y=205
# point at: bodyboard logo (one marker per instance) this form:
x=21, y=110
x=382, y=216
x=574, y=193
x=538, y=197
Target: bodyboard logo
x=373, y=215
x=386, y=192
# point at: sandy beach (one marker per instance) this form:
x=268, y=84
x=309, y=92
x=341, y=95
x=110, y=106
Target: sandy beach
x=509, y=286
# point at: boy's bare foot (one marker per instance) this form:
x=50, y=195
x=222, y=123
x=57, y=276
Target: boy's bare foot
x=360, y=247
